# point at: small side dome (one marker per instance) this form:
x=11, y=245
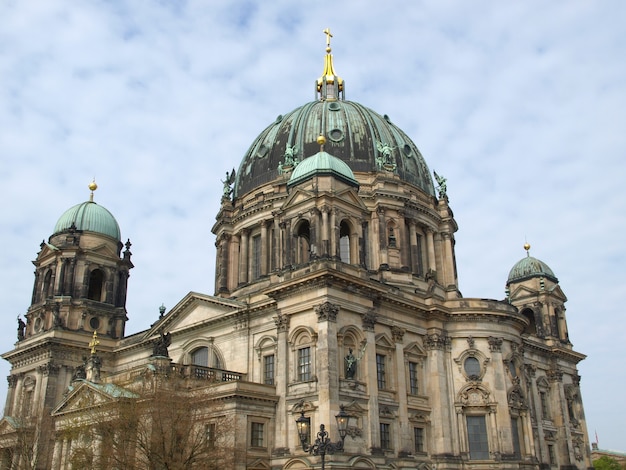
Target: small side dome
x=89, y=217
x=322, y=163
x=530, y=267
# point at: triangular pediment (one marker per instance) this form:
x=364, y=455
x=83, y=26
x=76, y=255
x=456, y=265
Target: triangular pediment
x=86, y=395
x=522, y=291
x=297, y=197
x=350, y=196
x=194, y=310
x=8, y=425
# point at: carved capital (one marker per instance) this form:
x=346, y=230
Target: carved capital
x=327, y=312
x=555, y=375
x=282, y=322
x=437, y=341
x=369, y=320
x=397, y=333
x=49, y=369
x=495, y=344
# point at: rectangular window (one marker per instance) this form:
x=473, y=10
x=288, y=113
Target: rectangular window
x=257, y=435
x=418, y=437
x=515, y=436
x=545, y=411
x=380, y=371
x=477, y=438
x=385, y=436
x=210, y=434
x=268, y=369
x=304, y=364
x=256, y=257
x=413, y=388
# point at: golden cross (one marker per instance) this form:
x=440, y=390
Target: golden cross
x=328, y=36
x=94, y=342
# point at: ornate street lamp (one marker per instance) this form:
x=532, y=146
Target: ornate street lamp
x=322, y=444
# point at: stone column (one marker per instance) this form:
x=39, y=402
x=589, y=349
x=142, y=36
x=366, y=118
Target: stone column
x=243, y=258
x=401, y=367
x=413, y=250
x=404, y=245
x=448, y=265
x=334, y=235
x=430, y=243
x=224, y=248
x=283, y=431
x=327, y=364
x=436, y=342
x=325, y=232
x=264, y=248
x=371, y=436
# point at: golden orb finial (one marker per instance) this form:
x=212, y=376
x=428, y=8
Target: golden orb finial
x=527, y=248
x=321, y=140
x=92, y=187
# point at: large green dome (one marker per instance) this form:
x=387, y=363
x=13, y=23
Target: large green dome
x=355, y=134
x=530, y=267
x=89, y=217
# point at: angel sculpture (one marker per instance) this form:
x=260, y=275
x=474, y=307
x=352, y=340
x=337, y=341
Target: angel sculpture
x=443, y=187
x=230, y=179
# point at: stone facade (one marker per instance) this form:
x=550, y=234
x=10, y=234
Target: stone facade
x=336, y=292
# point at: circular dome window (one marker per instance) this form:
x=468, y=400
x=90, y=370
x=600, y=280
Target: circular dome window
x=336, y=135
x=94, y=323
x=334, y=106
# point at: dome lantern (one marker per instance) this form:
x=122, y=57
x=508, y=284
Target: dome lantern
x=329, y=87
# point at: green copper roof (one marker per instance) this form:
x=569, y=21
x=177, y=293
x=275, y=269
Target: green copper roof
x=90, y=217
x=530, y=267
x=322, y=163
x=355, y=135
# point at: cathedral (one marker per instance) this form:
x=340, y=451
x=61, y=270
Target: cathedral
x=336, y=335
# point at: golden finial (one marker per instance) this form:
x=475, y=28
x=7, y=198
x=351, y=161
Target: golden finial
x=94, y=342
x=527, y=248
x=321, y=140
x=92, y=187
x=329, y=85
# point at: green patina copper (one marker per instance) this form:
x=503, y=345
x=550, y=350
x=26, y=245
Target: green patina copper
x=322, y=163
x=530, y=267
x=89, y=217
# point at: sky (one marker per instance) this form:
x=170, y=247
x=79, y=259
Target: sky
x=520, y=105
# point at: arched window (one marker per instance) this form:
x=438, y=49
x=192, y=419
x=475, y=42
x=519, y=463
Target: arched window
x=206, y=357
x=96, y=281
x=344, y=242
x=303, y=242
x=531, y=329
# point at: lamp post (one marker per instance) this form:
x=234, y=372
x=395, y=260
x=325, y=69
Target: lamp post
x=322, y=444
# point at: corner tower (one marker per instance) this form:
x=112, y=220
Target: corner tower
x=81, y=275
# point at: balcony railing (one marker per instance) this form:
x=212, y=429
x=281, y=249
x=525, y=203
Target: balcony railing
x=211, y=374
